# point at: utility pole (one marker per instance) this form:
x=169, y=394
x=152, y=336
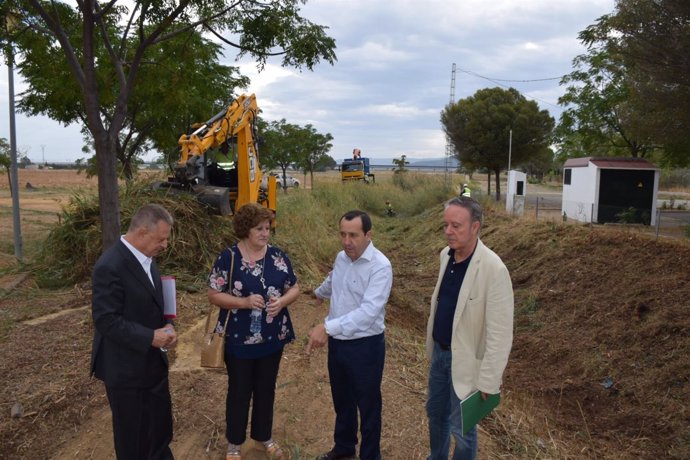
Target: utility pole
x=449, y=146
x=9, y=24
x=510, y=147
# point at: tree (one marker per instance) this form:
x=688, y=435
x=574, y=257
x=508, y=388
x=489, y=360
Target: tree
x=203, y=88
x=278, y=149
x=540, y=163
x=315, y=148
x=5, y=159
x=479, y=128
x=286, y=144
x=400, y=164
x=654, y=44
x=600, y=117
x=325, y=163
x=129, y=34
x=156, y=116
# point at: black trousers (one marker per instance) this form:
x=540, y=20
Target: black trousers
x=251, y=380
x=142, y=421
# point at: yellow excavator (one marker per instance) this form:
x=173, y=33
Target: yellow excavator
x=219, y=161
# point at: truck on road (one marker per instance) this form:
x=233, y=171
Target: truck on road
x=356, y=169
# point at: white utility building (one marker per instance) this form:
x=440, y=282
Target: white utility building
x=517, y=189
x=601, y=190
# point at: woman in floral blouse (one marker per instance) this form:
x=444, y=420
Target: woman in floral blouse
x=256, y=298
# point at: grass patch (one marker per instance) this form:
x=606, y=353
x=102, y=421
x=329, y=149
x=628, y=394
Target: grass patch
x=307, y=227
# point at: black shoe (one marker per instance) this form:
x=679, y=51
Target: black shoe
x=333, y=455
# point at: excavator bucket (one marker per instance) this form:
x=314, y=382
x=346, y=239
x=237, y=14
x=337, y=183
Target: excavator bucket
x=216, y=198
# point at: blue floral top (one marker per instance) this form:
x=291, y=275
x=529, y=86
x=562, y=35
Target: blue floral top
x=251, y=333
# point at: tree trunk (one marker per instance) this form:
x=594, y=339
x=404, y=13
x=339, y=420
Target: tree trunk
x=108, y=199
x=488, y=183
x=127, y=169
x=498, y=184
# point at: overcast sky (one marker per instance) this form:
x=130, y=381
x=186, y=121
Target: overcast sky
x=392, y=79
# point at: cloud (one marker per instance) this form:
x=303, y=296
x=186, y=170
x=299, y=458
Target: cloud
x=393, y=75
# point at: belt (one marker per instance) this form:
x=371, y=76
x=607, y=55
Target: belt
x=443, y=346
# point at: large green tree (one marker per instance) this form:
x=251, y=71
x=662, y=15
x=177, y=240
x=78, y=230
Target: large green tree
x=600, y=116
x=629, y=94
x=653, y=39
x=182, y=82
x=479, y=128
x=129, y=32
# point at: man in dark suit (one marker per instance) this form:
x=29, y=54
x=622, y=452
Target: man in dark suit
x=132, y=336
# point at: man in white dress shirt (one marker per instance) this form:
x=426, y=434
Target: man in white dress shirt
x=358, y=288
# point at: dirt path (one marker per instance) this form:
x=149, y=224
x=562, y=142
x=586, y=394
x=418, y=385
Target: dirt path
x=303, y=412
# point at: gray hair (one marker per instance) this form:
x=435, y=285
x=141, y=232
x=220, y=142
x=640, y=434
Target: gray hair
x=148, y=216
x=472, y=205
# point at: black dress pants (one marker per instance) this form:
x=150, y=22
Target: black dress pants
x=142, y=421
x=355, y=369
x=251, y=380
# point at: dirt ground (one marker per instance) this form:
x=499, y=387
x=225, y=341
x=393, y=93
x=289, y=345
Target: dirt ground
x=599, y=367
x=303, y=415
x=65, y=413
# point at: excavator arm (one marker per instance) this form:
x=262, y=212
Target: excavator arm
x=225, y=185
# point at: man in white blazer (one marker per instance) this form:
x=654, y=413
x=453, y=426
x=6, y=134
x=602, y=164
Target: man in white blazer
x=470, y=328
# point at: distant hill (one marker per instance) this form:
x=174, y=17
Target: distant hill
x=437, y=162
x=417, y=162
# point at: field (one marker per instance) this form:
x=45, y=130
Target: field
x=600, y=366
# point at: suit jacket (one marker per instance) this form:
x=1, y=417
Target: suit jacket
x=482, y=324
x=126, y=309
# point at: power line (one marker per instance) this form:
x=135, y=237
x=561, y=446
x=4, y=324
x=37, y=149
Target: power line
x=498, y=81
x=514, y=81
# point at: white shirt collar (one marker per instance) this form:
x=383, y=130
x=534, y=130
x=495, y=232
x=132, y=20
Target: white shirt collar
x=367, y=254
x=143, y=259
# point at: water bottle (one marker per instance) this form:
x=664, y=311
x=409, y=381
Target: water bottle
x=255, y=325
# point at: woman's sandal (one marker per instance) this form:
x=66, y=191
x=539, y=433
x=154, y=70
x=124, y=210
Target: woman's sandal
x=273, y=450
x=233, y=453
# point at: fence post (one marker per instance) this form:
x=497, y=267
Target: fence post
x=536, y=212
x=658, y=219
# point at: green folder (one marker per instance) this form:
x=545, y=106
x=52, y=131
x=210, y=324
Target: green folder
x=474, y=408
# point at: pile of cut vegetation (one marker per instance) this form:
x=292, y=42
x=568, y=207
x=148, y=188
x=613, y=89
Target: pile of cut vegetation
x=73, y=246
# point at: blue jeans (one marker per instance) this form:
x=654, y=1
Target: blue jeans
x=443, y=410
